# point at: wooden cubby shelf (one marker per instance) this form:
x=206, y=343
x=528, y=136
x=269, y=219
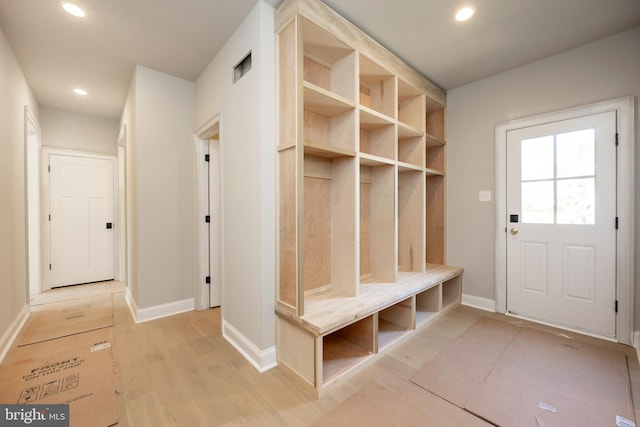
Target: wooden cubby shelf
x=377, y=134
x=395, y=321
x=428, y=304
x=377, y=87
x=411, y=106
x=323, y=102
x=432, y=141
x=326, y=151
x=361, y=195
x=339, y=333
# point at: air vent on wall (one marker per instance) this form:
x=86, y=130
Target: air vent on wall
x=242, y=68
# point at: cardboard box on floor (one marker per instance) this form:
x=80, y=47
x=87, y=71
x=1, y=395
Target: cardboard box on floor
x=67, y=318
x=78, y=370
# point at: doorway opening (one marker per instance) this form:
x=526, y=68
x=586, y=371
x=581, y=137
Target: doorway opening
x=511, y=230
x=209, y=277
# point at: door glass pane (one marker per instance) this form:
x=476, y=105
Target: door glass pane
x=537, y=202
x=576, y=153
x=576, y=201
x=537, y=158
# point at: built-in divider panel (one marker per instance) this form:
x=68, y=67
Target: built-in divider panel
x=288, y=157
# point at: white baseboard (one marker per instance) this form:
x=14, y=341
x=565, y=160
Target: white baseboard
x=262, y=360
x=131, y=303
x=146, y=314
x=485, y=304
x=7, y=339
x=636, y=343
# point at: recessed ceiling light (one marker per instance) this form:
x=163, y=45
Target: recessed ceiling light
x=74, y=10
x=465, y=13
x=79, y=91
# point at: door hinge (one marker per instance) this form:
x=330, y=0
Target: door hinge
x=49, y=168
x=49, y=266
x=617, y=222
x=616, y=306
x=617, y=141
x=49, y=217
x=206, y=157
x=207, y=280
x=207, y=219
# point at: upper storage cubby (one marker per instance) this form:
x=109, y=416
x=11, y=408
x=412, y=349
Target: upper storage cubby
x=435, y=123
x=328, y=62
x=435, y=126
x=411, y=110
x=377, y=88
x=328, y=93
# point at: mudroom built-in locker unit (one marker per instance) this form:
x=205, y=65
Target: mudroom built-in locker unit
x=361, y=188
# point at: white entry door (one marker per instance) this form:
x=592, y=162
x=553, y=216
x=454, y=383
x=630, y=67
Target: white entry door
x=561, y=223
x=81, y=221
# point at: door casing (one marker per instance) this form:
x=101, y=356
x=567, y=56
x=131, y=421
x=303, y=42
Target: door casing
x=624, y=108
x=208, y=237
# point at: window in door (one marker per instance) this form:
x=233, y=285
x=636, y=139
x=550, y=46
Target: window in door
x=558, y=178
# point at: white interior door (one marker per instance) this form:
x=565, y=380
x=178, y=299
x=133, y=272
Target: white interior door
x=81, y=221
x=561, y=223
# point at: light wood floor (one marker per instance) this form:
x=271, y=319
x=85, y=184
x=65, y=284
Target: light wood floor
x=180, y=371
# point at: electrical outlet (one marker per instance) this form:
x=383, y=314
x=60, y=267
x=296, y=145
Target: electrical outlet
x=484, y=196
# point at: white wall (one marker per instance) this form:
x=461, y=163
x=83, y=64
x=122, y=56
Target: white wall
x=159, y=114
x=13, y=260
x=73, y=131
x=248, y=146
x=606, y=69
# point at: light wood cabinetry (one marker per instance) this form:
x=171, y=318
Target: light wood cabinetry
x=361, y=148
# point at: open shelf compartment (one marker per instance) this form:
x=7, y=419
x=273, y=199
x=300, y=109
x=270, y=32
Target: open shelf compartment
x=329, y=218
x=395, y=321
x=377, y=223
x=377, y=88
x=428, y=305
x=328, y=62
x=435, y=157
x=435, y=219
x=411, y=106
x=377, y=135
x=451, y=293
x=412, y=151
x=435, y=122
x=347, y=347
x=411, y=220
x=328, y=121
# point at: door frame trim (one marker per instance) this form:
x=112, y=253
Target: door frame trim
x=45, y=185
x=624, y=108
x=213, y=254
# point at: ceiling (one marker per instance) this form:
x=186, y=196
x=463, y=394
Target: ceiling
x=58, y=52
